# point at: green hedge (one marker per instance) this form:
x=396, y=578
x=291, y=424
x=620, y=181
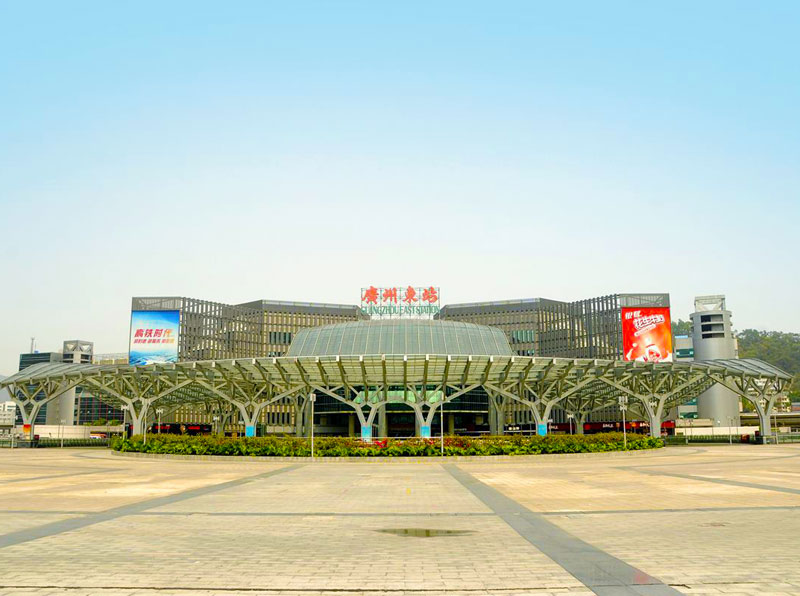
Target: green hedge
x=51, y=442
x=354, y=447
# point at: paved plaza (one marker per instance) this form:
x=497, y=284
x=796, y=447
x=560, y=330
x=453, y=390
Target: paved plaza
x=682, y=520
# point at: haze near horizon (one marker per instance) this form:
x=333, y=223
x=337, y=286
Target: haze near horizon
x=303, y=151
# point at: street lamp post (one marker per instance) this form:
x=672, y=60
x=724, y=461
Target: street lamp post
x=312, y=398
x=570, y=417
x=61, y=429
x=216, y=424
x=775, y=414
x=124, y=409
x=623, y=405
x=159, y=411
x=730, y=430
x=441, y=426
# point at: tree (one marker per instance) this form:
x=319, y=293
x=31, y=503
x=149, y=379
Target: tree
x=681, y=327
x=776, y=347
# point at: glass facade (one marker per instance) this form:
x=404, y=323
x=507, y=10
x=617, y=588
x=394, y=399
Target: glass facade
x=212, y=330
x=589, y=328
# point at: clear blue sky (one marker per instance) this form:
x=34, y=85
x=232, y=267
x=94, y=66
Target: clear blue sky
x=302, y=150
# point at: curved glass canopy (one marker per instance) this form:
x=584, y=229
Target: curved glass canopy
x=400, y=336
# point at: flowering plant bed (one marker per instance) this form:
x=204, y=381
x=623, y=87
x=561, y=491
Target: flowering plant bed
x=287, y=446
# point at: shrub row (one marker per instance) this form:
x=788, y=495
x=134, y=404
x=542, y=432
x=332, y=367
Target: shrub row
x=354, y=447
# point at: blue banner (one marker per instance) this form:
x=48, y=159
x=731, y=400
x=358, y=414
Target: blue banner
x=366, y=433
x=425, y=432
x=249, y=431
x=154, y=336
x=541, y=429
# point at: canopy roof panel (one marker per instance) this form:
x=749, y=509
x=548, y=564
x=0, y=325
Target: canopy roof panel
x=375, y=370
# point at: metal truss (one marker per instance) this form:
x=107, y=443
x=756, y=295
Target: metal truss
x=422, y=382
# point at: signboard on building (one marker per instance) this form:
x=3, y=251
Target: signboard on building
x=647, y=334
x=154, y=336
x=399, y=301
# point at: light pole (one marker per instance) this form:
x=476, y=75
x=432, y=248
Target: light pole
x=159, y=411
x=654, y=408
x=216, y=424
x=124, y=409
x=441, y=425
x=312, y=398
x=730, y=430
x=775, y=414
x=623, y=405
x=61, y=431
x=549, y=421
x=570, y=417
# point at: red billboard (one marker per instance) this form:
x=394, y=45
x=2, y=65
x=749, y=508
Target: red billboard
x=647, y=334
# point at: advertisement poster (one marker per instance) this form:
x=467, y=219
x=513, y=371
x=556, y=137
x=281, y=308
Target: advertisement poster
x=647, y=334
x=154, y=336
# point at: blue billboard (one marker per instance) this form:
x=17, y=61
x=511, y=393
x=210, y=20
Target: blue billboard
x=154, y=336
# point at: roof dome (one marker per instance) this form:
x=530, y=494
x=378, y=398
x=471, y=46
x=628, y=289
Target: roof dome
x=400, y=336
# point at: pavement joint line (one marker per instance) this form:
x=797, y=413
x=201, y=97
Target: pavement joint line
x=688, y=510
x=67, y=525
x=599, y=571
x=315, y=514
x=556, y=513
x=780, y=489
x=269, y=513
x=41, y=512
x=51, y=476
x=273, y=590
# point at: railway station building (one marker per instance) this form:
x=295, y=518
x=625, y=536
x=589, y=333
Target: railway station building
x=260, y=367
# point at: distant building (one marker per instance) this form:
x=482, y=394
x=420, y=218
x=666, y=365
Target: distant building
x=712, y=339
x=684, y=352
x=8, y=410
x=29, y=359
x=78, y=405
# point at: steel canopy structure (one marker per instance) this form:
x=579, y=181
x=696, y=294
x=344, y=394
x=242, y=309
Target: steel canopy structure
x=367, y=383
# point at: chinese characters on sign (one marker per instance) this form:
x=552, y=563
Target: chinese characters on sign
x=400, y=301
x=153, y=336
x=647, y=334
